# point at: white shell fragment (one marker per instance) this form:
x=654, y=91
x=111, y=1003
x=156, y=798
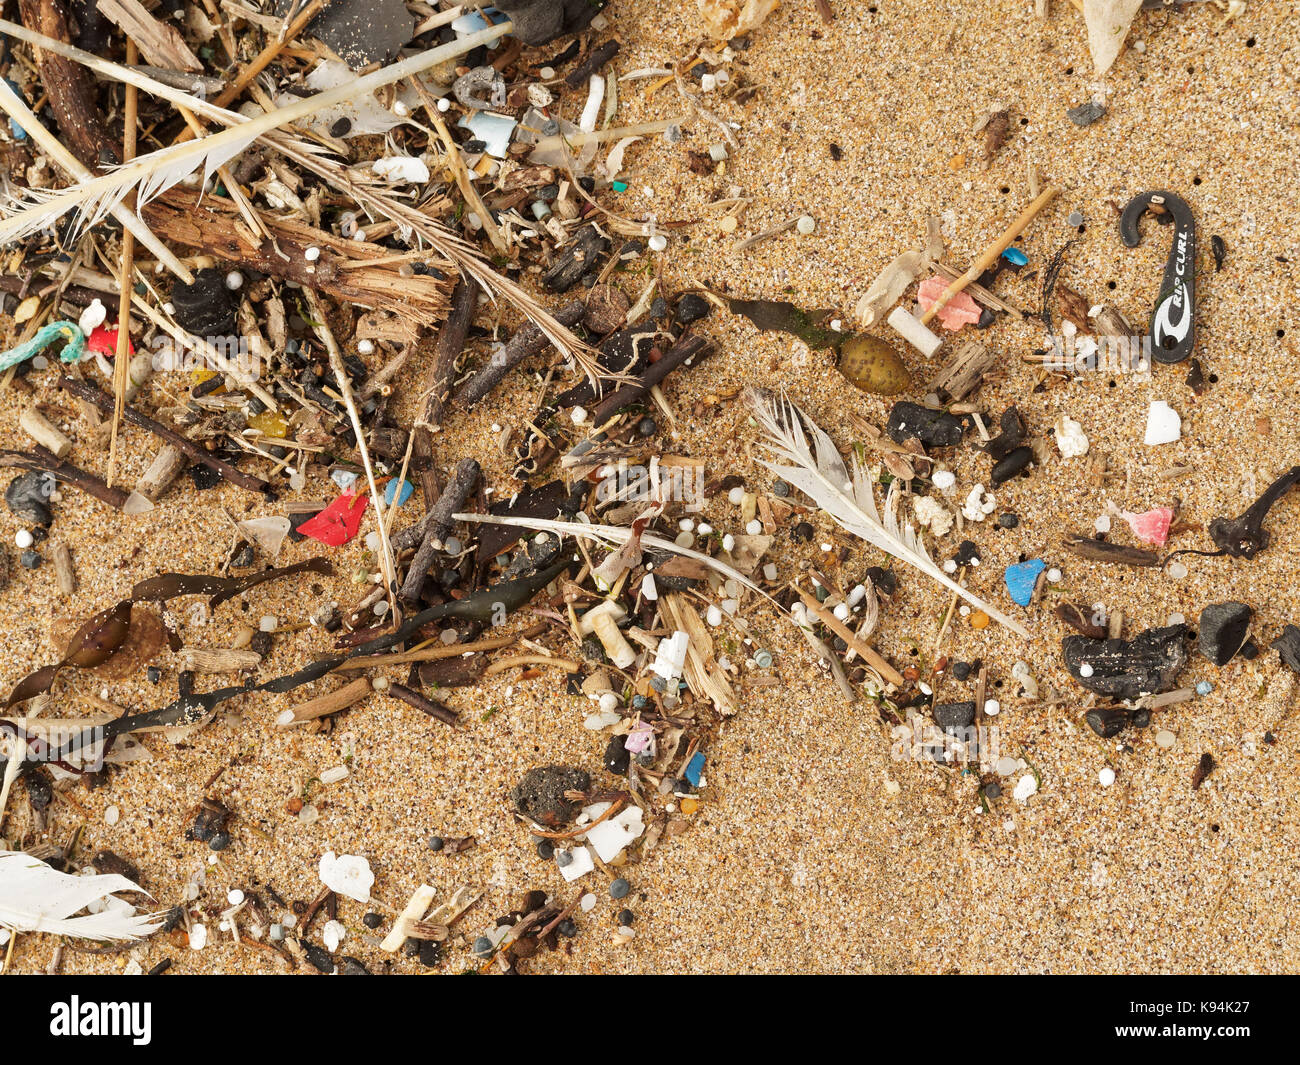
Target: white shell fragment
x=1025, y=787
x=348, y=875
x=1164, y=426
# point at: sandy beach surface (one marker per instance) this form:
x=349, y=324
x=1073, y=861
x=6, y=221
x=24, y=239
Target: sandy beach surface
x=814, y=849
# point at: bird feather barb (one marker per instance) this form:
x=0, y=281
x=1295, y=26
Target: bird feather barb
x=819, y=472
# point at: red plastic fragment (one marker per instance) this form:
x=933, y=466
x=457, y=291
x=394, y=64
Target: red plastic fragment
x=103, y=341
x=339, y=522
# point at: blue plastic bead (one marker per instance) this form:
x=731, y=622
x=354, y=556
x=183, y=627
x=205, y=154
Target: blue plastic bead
x=1204, y=687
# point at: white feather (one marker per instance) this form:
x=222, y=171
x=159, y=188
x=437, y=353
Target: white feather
x=37, y=898
x=819, y=472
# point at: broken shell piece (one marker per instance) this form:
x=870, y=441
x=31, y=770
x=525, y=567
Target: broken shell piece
x=1070, y=438
x=725, y=19
x=1164, y=426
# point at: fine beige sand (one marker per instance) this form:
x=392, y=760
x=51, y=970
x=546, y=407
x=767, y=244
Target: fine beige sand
x=804, y=856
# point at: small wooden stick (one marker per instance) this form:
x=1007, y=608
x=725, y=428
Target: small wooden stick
x=44, y=432
x=63, y=571
x=990, y=254
x=164, y=469
x=218, y=659
x=413, y=698
x=868, y=653
x=329, y=703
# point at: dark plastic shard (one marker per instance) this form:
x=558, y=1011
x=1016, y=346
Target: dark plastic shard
x=1127, y=669
x=1222, y=630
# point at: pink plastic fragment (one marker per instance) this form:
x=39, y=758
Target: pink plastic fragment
x=959, y=311
x=338, y=523
x=1152, y=526
x=639, y=739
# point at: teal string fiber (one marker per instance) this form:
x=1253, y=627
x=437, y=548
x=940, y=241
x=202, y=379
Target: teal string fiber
x=72, y=351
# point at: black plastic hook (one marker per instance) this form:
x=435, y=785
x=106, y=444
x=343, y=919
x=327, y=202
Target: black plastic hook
x=1173, y=322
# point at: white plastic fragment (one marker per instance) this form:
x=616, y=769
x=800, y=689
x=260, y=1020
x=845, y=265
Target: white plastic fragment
x=92, y=317
x=670, y=659
x=591, y=110
x=1025, y=787
x=1164, y=426
x=401, y=170
x=580, y=863
x=1070, y=438
x=613, y=834
x=911, y=330
x=932, y=514
x=348, y=875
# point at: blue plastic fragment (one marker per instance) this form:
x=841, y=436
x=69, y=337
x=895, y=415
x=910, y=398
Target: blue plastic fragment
x=1022, y=577
x=694, y=769
x=1204, y=687
x=618, y=186
x=1016, y=257
x=19, y=134
x=474, y=21
x=391, y=491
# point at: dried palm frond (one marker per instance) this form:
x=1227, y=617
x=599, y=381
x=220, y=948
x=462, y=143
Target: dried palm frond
x=819, y=472
x=313, y=158
x=37, y=898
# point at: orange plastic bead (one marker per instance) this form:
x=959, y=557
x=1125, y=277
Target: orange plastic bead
x=690, y=805
x=979, y=620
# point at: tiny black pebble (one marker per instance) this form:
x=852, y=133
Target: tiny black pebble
x=780, y=488
x=619, y=888
x=319, y=957
x=30, y=559
x=436, y=843
x=341, y=127
x=204, y=477
x=411, y=947
x=567, y=928
x=430, y=953
x=647, y=427
x=1141, y=718
x=992, y=789
x=626, y=917
x=372, y=920
x=545, y=850
x=803, y=532
x=353, y=967
x=220, y=841
x=1008, y=520
x=961, y=670
x=153, y=674
x=563, y=858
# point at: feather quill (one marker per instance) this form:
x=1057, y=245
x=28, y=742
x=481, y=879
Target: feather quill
x=36, y=898
x=820, y=473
